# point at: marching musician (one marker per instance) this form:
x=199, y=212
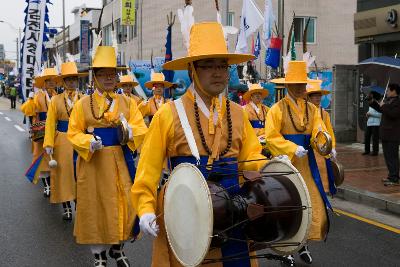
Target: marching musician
x=153, y=104
x=56, y=144
x=46, y=84
x=292, y=123
x=256, y=110
x=221, y=132
x=104, y=213
x=315, y=93
x=127, y=84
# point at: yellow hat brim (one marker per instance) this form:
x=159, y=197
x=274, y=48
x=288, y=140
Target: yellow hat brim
x=132, y=83
x=323, y=92
x=39, y=81
x=247, y=95
x=150, y=84
x=182, y=63
x=283, y=81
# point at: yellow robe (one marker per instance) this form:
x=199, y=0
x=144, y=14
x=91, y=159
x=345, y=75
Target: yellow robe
x=149, y=107
x=320, y=159
x=253, y=116
x=28, y=108
x=279, y=124
x=167, y=139
x=105, y=214
x=62, y=178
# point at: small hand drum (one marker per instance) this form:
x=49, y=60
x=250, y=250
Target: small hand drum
x=338, y=172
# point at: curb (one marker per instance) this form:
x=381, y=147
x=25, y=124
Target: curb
x=368, y=198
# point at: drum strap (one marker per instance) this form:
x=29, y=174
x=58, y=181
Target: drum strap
x=187, y=129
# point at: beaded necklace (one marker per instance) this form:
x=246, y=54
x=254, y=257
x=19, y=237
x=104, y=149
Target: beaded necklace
x=304, y=128
x=110, y=99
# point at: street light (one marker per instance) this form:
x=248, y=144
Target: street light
x=18, y=40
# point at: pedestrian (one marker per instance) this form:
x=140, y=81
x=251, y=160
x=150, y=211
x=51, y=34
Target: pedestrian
x=372, y=129
x=105, y=217
x=292, y=123
x=56, y=144
x=221, y=132
x=13, y=96
x=390, y=132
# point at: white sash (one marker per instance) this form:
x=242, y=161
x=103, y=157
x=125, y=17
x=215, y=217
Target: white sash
x=187, y=129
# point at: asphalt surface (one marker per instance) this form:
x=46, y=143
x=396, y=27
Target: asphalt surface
x=33, y=233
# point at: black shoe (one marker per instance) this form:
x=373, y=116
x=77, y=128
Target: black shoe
x=289, y=261
x=305, y=255
x=46, y=186
x=374, y=154
x=116, y=252
x=391, y=183
x=365, y=153
x=67, y=215
x=100, y=260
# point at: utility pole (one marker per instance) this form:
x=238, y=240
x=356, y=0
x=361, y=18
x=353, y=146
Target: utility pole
x=64, y=48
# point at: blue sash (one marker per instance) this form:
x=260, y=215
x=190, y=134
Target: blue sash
x=109, y=137
x=62, y=126
x=304, y=140
x=257, y=124
x=42, y=116
x=230, y=248
x=331, y=178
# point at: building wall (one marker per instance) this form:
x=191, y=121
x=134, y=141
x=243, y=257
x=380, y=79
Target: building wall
x=335, y=33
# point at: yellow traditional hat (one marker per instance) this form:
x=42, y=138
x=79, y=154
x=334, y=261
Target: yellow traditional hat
x=296, y=73
x=48, y=73
x=126, y=79
x=105, y=57
x=314, y=86
x=206, y=41
x=157, y=78
x=255, y=88
x=69, y=69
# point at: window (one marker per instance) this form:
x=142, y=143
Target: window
x=107, y=35
x=231, y=19
x=131, y=32
x=300, y=24
x=118, y=31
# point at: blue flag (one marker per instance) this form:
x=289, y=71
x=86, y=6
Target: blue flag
x=257, y=46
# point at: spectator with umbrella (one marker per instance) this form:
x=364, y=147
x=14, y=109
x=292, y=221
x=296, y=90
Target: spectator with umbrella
x=373, y=123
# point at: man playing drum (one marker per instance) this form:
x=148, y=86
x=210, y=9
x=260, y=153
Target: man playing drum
x=220, y=132
x=292, y=123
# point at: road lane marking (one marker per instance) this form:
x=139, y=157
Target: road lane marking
x=19, y=128
x=7, y=118
x=375, y=223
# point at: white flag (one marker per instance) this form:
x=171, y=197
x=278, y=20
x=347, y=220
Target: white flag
x=250, y=21
x=269, y=20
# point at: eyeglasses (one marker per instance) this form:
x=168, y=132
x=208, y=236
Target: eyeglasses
x=223, y=67
x=106, y=75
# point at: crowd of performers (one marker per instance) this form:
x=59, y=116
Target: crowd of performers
x=78, y=153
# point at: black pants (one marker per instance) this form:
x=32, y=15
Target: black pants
x=13, y=101
x=391, y=154
x=374, y=132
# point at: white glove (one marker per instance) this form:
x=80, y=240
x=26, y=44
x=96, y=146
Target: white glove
x=300, y=152
x=148, y=224
x=49, y=150
x=123, y=119
x=333, y=153
x=95, y=144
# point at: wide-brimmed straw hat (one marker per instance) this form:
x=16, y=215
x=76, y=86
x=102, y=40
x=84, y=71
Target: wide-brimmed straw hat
x=105, y=57
x=157, y=78
x=314, y=86
x=296, y=73
x=126, y=79
x=48, y=73
x=206, y=41
x=69, y=69
x=255, y=88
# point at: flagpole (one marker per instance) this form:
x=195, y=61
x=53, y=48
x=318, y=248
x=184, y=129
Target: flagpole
x=281, y=24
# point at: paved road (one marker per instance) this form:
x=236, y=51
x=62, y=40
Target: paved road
x=33, y=233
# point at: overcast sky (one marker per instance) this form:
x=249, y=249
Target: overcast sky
x=12, y=11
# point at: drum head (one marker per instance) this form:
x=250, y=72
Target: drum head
x=188, y=214
x=277, y=165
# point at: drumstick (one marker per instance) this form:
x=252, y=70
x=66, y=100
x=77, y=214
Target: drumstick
x=52, y=162
x=158, y=216
x=90, y=130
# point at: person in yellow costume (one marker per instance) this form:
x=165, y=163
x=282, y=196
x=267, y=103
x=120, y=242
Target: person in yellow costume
x=220, y=128
x=127, y=84
x=46, y=84
x=56, y=144
x=292, y=123
x=315, y=93
x=154, y=103
x=256, y=110
x=105, y=216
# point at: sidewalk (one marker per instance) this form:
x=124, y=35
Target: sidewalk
x=363, y=175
